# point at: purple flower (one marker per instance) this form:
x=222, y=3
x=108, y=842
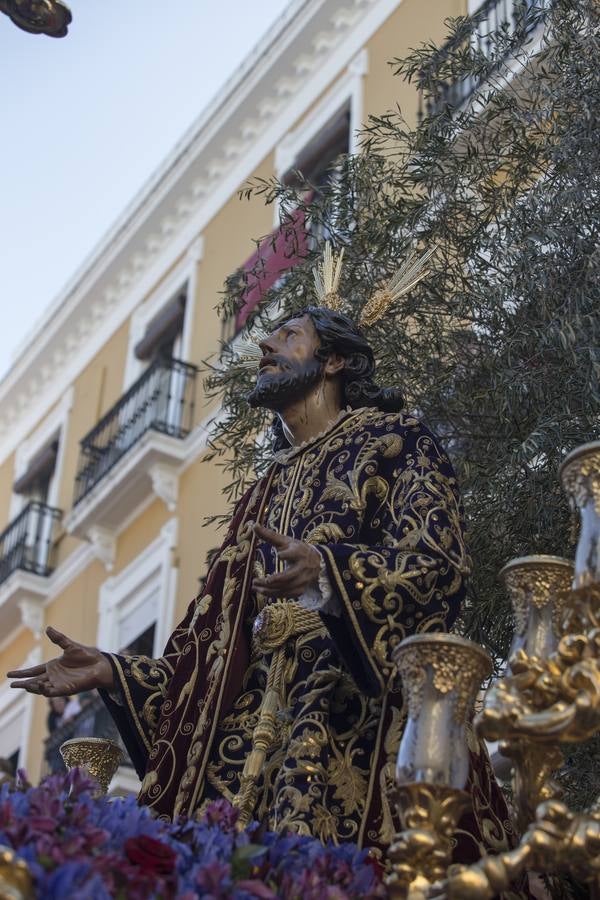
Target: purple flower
x=67, y=881
x=222, y=813
x=74, y=846
x=215, y=880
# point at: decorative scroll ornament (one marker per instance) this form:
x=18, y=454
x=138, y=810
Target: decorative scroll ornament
x=50, y=17
x=557, y=697
x=422, y=851
x=559, y=841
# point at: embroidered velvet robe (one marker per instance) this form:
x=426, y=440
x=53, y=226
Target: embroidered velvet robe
x=378, y=498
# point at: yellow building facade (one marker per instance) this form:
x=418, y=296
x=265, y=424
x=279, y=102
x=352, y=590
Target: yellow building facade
x=103, y=419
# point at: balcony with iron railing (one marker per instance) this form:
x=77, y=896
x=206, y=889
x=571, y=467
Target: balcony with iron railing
x=135, y=448
x=28, y=543
x=494, y=18
x=27, y=560
x=161, y=400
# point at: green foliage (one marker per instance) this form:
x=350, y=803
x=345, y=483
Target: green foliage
x=499, y=348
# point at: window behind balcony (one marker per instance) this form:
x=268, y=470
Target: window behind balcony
x=136, y=621
x=34, y=483
x=157, y=396
x=28, y=542
x=162, y=337
x=142, y=644
x=315, y=164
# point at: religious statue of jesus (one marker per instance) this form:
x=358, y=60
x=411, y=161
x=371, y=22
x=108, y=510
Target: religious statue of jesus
x=278, y=689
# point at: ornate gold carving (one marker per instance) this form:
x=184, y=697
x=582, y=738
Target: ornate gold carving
x=51, y=17
x=558, y=841
x=457, y=665
x=16, y=882
x=421, y=853
x=429, y=812
x=580, y=475
x=550, y=695
x=554, y=698
x=99, y=756
x=537, y=581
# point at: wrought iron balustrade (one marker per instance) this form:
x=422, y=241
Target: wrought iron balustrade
x=28, y=542
x=492, y=19
x=94, y=720
x=161, y=400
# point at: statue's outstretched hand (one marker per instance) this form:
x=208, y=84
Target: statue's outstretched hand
x=302, y=566
x=80, y=668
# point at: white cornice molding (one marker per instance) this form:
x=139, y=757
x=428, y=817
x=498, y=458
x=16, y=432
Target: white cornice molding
x=306, y=50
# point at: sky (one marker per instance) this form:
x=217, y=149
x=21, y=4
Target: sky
x=86, y=119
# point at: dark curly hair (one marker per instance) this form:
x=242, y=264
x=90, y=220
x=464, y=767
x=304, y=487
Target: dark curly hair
x=339, y=334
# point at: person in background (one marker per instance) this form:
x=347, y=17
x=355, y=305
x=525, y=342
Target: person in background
x=55, y=712
x=72, y=709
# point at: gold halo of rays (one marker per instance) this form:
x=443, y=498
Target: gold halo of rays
x=413, y=270
x=247, y=351
x=327, y=274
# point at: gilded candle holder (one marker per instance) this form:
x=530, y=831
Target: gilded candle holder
x=98, y=756
x=441, y=676
x=580, y=478
x=539, y=589
x=16, y=882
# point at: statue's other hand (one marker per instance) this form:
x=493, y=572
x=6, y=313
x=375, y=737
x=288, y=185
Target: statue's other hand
x=80, y=668
x=302, y=564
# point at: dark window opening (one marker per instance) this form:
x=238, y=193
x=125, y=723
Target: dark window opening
x=12, y=763
x=35, y=482
x=163, y=332
x=317, y=159
x=143, y=645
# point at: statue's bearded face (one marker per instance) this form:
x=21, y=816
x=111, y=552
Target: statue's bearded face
x=288, y=370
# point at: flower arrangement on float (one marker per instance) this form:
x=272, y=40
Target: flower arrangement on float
x=83, y=847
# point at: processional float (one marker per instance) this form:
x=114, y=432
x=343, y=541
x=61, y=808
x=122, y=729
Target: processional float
x=549, y=695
